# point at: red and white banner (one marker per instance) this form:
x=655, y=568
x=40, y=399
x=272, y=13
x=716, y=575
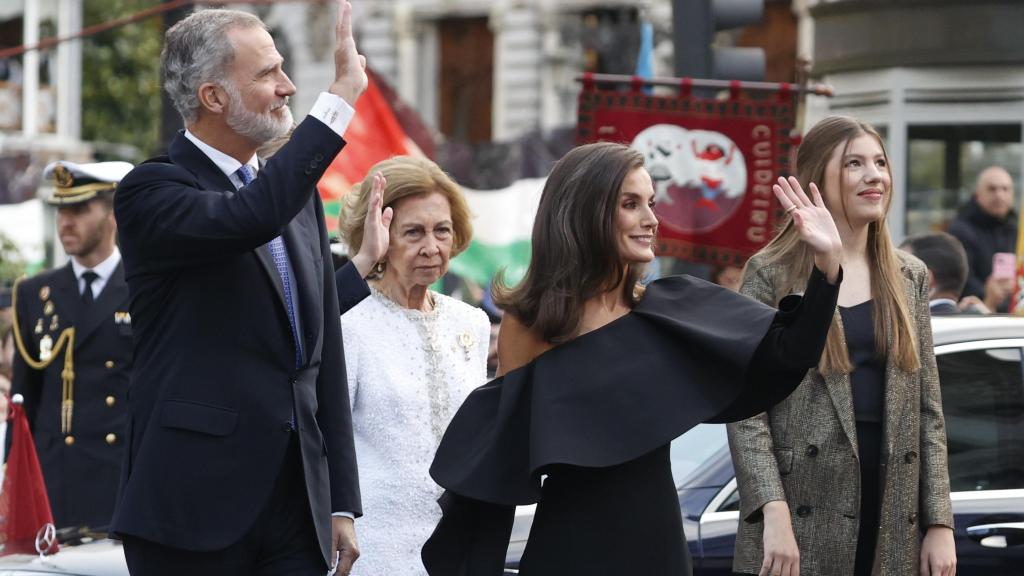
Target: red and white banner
x=713, y=163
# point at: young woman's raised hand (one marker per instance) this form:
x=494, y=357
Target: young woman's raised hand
x=813, y=222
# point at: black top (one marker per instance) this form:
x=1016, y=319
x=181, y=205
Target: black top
x=868, y=376
x=689, y=352
x=582, y=508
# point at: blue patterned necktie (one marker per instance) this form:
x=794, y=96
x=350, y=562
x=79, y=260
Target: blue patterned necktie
x=280, y=255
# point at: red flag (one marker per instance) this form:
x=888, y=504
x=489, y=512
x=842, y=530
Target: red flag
x=24, y=507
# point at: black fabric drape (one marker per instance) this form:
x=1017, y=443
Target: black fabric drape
x=689, y=352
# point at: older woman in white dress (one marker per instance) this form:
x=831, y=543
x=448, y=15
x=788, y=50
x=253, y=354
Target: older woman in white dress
x=412, y=356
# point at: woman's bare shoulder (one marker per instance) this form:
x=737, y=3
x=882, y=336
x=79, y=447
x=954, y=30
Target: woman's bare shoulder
x=518, y=344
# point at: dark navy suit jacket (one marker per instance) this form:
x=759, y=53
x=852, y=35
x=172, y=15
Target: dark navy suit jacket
x=215, y=388
x=352, y=289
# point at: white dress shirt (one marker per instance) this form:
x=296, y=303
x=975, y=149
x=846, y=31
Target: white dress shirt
x=104, y=270
x=939, y=301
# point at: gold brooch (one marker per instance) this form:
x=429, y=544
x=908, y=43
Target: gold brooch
x=467, y=342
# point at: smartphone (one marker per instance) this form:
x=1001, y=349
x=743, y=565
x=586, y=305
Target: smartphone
x=1004, y=265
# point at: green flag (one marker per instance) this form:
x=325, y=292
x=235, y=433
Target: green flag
x=502, y=225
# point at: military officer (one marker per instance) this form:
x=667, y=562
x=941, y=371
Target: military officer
x=74, y=349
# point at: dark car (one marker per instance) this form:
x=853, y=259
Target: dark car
x=982, y=379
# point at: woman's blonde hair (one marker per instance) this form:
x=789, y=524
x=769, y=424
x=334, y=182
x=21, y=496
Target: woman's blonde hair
x=892, y=318
x=406, y=176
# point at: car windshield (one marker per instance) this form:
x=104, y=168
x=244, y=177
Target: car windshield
x=693, y=449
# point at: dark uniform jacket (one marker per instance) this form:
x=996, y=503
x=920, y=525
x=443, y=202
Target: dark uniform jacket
x=81, y=464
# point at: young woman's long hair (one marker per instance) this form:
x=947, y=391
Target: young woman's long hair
x=575, y=245
x=892, y=314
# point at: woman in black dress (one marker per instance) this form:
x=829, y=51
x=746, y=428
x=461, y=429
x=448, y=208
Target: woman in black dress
x=598, y=375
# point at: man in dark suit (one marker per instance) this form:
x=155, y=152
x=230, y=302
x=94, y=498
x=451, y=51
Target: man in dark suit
x=240, y=457
x=986, y=225
x=74, y=349
x=946, y=260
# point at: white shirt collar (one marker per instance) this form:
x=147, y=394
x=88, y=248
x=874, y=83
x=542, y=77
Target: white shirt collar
x=104, y=270
x=228, y=165
x=938, y=301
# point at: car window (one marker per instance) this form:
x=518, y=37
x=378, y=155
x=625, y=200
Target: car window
x=694, y=448
x=731, y=502
x=983, y=401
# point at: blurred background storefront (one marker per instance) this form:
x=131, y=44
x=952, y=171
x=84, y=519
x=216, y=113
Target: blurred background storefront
x=943, y=80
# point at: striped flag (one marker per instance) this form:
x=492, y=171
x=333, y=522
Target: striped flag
x=502, y=225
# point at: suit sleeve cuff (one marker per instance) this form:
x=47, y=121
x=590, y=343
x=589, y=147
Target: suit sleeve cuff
x=352, y=288
x=333, y=111
x=343, y=515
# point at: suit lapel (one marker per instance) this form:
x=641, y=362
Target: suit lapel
x=184, y=153
x=895, y=379
x=113, y=296
x=304, y=255
x=267, y=261
x=67, y=297
x=839, y=391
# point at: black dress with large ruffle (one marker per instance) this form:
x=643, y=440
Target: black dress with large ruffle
x=596, y=416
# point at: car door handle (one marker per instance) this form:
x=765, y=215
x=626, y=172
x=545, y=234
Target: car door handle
x=997, y=535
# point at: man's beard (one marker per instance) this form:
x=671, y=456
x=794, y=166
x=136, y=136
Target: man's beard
x=260, y=128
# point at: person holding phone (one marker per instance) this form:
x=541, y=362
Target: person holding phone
x=987, y=227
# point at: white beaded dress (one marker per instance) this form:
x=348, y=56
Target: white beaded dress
x=408, y=372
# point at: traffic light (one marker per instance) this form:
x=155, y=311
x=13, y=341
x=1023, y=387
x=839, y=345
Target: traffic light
x=695, y=23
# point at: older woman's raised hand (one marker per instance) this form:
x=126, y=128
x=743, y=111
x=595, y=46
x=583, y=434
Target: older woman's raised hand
x=814, y=223
x=376, y=229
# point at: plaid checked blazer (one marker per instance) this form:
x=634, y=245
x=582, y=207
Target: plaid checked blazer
x=804, y=451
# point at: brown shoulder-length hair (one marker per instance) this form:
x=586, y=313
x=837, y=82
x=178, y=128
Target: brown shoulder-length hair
x=575, y=253
x=406, y=176
x=892, y=315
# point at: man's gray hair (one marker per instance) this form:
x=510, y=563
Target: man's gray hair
x=197, y=50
